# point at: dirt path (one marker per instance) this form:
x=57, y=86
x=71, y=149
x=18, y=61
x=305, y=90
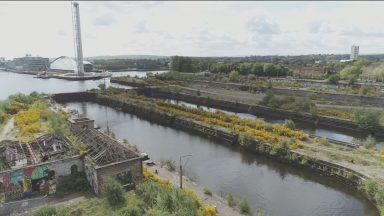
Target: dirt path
x=173, y=177
x=5, y=132
x=24, y=207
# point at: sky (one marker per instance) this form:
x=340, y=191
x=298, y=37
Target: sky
x=192, y=28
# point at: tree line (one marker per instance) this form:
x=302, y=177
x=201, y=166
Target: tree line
x=123, y=64
x=193, y=65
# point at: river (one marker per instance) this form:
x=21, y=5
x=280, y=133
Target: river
x=276, y=188
x=11, y=83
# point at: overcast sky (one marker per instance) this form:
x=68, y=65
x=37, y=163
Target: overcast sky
x=192, y=28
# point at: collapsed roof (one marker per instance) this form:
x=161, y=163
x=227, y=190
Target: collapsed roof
x=103, y=148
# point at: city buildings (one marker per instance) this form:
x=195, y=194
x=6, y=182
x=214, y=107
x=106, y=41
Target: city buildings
x=30, y=63
x=354, y=53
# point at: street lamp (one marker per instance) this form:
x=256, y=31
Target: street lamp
x=181, y=169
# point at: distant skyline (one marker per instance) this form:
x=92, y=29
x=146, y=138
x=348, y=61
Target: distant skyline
x=192, y=28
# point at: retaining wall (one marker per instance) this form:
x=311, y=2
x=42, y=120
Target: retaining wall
x=255, y=109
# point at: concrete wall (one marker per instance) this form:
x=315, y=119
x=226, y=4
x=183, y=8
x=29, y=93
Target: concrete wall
x=39, y=178
x=135, y=166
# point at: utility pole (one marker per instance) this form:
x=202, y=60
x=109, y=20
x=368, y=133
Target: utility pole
x=181, y=169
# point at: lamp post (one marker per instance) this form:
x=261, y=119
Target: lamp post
x=181, y=169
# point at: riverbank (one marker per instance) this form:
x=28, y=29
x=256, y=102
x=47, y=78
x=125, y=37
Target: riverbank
x=214, y=199
x=332, y=161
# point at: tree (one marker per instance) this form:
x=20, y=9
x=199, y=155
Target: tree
x=368, y=119
x=288, y=123
x=113, y=191
x=269, y=69
x=334, y=79
x=234, y=76
x=258, y=69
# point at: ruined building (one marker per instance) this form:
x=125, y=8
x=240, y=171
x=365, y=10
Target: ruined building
x=36, y=167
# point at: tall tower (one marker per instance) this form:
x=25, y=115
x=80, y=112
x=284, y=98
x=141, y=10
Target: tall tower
x=77, y=38
x=354, y=53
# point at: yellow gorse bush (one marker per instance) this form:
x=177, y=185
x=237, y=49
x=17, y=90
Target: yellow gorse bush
x=27, y=120
x=265, y=132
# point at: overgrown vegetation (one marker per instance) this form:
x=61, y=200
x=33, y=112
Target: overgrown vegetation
x=368, y=142
x=151, y=199
x=33, y=116
x=375, y=191
x=244, y=206
x=170, y=165
x=113, y=191
x=302, y=104
x=368, y=119
x=76, y=182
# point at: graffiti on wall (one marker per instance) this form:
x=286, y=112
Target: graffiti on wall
x=24, y=182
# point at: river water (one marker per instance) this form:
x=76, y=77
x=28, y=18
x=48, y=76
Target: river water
x=276, y=188
x=11, y=83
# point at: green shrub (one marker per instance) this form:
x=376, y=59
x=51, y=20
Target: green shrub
x=169, y=164
x=244, y=206
x=231, y=200
x=312, y=96
x=207, y=191
x=368, y=119
x=234, y=76
x=369, y=142
x=333, y=79
x=135, y=207
x=172, y=200
x=288, y=123
x=281, y=147
x=370, y=187
x=113, y=191
x=73, y=183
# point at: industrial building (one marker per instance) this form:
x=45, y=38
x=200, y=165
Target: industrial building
x=30, y=63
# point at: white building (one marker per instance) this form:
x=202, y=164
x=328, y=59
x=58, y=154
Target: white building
x=68, y=64
x=354, y=53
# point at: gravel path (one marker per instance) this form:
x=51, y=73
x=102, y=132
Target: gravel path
x=6, y=130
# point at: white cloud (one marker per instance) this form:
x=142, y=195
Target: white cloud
x=192, y=28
